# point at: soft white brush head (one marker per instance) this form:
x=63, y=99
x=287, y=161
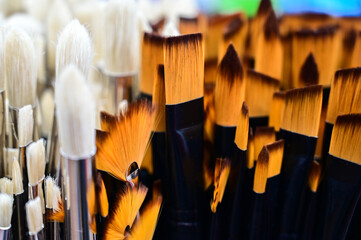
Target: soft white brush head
x=26, y=22
x=6, y=186
x=6, y=210
x=121, y=42
x=10, y=155
x=47, y=111
x=17, y=178
x=74, y=47
x=21, y=68
x=35, y=161
x=52, y=194
x=34, y=216
x=170, y=30
x=75, y=110
x=25, y=125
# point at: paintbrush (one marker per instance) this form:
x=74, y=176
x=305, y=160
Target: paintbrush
x=102, y=202
x=21, y=74
x=34, y=219
x=309, y=74
x=259, y=92
x=77, y=144
x=347, y=48
x=286, y=80
x=188, y=25
x=121, y=50
x=47, y=113
x=170, y=30
x=18, y=221
x=340, y=187
x=184, y=64
x=53, y=200
x=6, y=211
x=3, y=108
x=262, y=137
x=299, y=129
x=6, y=186
x=276, y=112
x=11, y=154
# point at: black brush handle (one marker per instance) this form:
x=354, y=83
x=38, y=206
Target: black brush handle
x=297, y=160
x=339, y=192
x=309, y=215
x=326, y=144
x=258, y=226
x=18, y=220
x=159, y=159
x=272, y=191
x=255, y=122
x=354, y=231
x=184, y=137
x=215, y=229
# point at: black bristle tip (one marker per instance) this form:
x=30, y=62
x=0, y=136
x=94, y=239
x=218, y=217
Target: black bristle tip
x=279, y=94
x=276, y=145
x=264, y=7
x=231, y=66
x=350, y=39
x=299, y=92
x=153, y=38
x=353, y=119
x=271, y=29
x=232, y=28
x=309, y=73
x=244, y=109
x=161, y=71
x=183, y=39
x=263, y=156
x=101, y=135
x=265, y=131
x=264, y=78
x=188, y=19
x=348, y=73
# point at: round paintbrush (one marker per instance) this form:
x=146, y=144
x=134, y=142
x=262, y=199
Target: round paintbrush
x=6, y=211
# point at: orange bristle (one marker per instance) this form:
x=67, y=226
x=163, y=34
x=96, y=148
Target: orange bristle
x=261, y=172
x=277, y=107
x=221, y=173
x=241, y=137
x=262, y=137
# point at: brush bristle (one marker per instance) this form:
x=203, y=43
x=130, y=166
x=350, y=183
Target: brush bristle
x=170, y=30
x=47, y=111
x=74, y=47
x=230, y=87
x=232, y=28
x=277, y=107
x=124, y=213
x=159, y=99
x=25, y=125
x=127, y=140
x=345, y=94
x=17, y=178
x=309, y=72
x=241, y=137
x=188, y=25
x=145, y=226
x=121, y=45
x=35, y=161
x=34, y=216
x=345, y=140
x=52, y=194
x=264, y=7
x=261, y=172
x=2, y=59
x=221, y=173
x=271, y=26
x=262, y=137
x=259, y=92
x=6, y=210
x=275, y=157
x=314, y=176
x=302, y=110
x=184, y=64
x=107, y=121
x=250, y=151
x=102, y=196
x=75, y=109
x=21, y=69
x=6, y=186
x=58, y=215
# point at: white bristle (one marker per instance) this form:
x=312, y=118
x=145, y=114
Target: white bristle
x=74, y=47
x=52, y=194
x=58, y=17
x=170, y=30
x=2, y=66
x=85, y=11
x=6, y=186
x=6, y=210
x=39, y=42
x=47, y=111
x=121, y=42
x=98, y=33
x=123, y=107
x=143, y=22
x=34, y=216
x=11, y=154
x=26, y=22
x=35, y=161
x=75, y=110
x=21, y=69
x=17, y=178
x=25, y=125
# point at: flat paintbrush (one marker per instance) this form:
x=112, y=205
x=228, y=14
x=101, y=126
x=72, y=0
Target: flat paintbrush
x=34, y=219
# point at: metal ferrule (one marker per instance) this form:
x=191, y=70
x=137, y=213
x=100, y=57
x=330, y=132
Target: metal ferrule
x=53, y=157
x=37, y=236
x=34, y=189
x=81, y=179
x=5, y=233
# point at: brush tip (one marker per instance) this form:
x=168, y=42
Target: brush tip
x=230, y=65
x=309, y=72
x=261, y=172
x=34, y=216
x=35, y=161
x=271, y=29
x=6, y=210
x=232, y=28
x=264, y=7
x=52, y=194
x=6, y=186
x=25, y=125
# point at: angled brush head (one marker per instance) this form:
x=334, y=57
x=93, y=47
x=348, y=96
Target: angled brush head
x=261, y=172
x=302, y=110
x=221, y=173
x=17, y=178
x=277, y=107
x=6, y=186
x=345, y=140
x=184, y=64
x=52, y=194
x=25, y=125
x=57, y=215
x=75, y=110
x=159, y=99
x=127, y=140
x=314, y=176
x=35, y=161
x=345, y=94
x=241, y=137
x=230, y=87
x=275, y=157
x=250, y=150
x=309, y=72
x=34, y=216
x=47, y=111
x=262, y=137
x=6, y=210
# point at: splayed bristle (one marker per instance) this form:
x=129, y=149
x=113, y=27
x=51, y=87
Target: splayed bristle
x=277, y=107
x=275, y=157
x=302, y=110
x=230, y=87
x=52, y=194
x=6, y=210
x=261, y=172
x=250, y=150
x=6, y=186
x=152, y=56
x=159, y=99
x=102, y=196
x=241, y=137
x=121, y=45
x=17, y=178
x=309, y=72
x=262, y=137
x=170, y=30
x=184, y=64
x=47, y=111
x=21, y=68
x=124, y=213
x=221, y=173
x=74, y=47
x=58, y=215
x=127, y=141
x=34, y=216
x=345, y=140
x=314, y=176
x=264, y=7
x=35, y=161
x=107, y=121
x=25, y=125
x=271, y=26
x=345, y=94
x=75, y=110
x=259, y=92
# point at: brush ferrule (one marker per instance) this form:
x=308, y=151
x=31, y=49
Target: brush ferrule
x=34, y=188
x=5, y=233
x=53, y=150
x=3, y=163
x=37, y=236
x=81, y=179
